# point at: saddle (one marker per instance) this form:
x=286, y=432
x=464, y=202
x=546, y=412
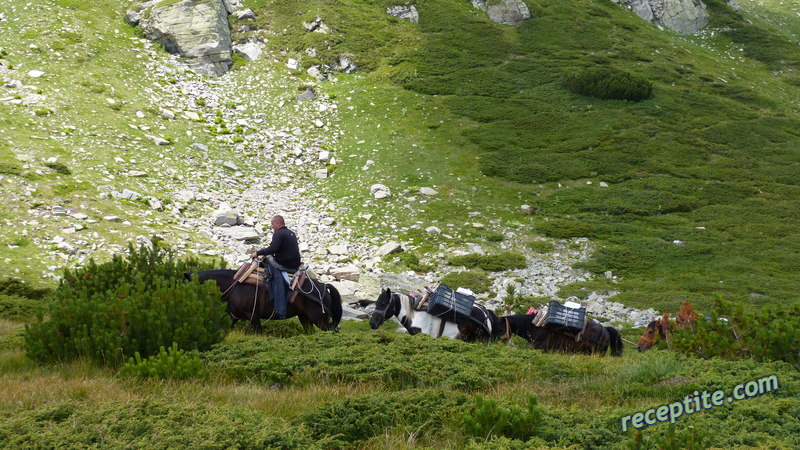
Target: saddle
x=302, y=283
x=250, y=274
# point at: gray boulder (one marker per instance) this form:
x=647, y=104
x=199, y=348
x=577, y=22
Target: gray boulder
x=195, y=29
x=681, y=16
x=249, y=51
x=405, y=12
x=133, y=17
x=506, y=12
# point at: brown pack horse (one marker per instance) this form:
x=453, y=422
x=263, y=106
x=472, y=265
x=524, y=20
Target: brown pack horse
x=663, y=326
x=246, y=302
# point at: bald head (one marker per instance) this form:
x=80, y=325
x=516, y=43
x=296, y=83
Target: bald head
x=277, y=222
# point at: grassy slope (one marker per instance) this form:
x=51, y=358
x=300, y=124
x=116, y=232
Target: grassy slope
x=710, y=160
x=361, y=383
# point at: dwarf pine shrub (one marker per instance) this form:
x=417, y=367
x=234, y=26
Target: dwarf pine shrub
x=491, y=263
x=109, y=312
x=171, y=363
x=733, y=331
x=486, y=418
x=608, y=83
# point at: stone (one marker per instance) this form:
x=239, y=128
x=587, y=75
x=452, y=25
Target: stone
x=35, y=73
x=348, y=272
x=58, y=211
x=226, y=215
x=506, y=12
x=346, y=288
x=318, y=123
x=681, y=16
x=250, y=51
x=137, y=173
x=167, y=114
x=405, y=12
x=112, y=219
x=337, y=249
x=245, y=14
x=196, y=30
x=324, y=156
x=321, y=174
x=66, y=248
x=127, y=194
x=293, y=64
x=230, y=165
x=158, y=140
x=526, y=209
x=133, y=17
x=603, y=184
x=379, y=191
x=201, y=147
x=314, y=71
x=389, y=248
x=433, y=230
x=478, y=225
x=80, y=216
x=243, y=234
x=191, y=115
x=350, y=313
x=156, y=204
x=307, y=95
x=428, y=191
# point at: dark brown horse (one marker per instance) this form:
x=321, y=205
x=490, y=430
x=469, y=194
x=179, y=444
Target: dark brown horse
x=594, y=339
x=246, y=302
x=662, y=327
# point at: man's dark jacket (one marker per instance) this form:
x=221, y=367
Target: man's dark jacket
x=284, y=248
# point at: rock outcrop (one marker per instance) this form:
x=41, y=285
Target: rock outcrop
x=405, y=12
x=195, y=29
x=507, y=12
x=681, y=16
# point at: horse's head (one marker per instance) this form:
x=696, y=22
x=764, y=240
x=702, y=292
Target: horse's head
x=382, y=306
x=659, y=327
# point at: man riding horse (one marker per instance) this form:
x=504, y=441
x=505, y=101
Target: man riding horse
x=282, y=255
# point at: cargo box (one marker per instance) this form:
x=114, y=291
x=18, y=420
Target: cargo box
x=559, y=317
x=450, y=305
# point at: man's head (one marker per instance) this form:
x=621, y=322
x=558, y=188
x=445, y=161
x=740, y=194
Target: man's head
x=277, y=222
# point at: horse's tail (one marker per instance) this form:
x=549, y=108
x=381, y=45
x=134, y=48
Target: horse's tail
x=336, y=306
x=616, y=341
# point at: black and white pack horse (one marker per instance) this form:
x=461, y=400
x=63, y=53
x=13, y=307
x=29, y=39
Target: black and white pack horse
x=252, y=303
x=403, y=307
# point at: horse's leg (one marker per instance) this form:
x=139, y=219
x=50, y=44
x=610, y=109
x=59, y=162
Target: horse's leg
x=308, y=327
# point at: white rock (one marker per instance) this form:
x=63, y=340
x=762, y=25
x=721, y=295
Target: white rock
x=348, y=272
x=389, y=248
x=526, y=209
x=293, y=64
x=379, y=191
x=324, y=155
x=337, y=249
x=35, y=73
x=321, y=173
x=167, y=114
x=191, y=115
x=427, y=191
x=112, y=218
x=250, y=51
x=433, y=230
x=243, y=234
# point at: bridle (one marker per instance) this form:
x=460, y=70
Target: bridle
x=393, y=298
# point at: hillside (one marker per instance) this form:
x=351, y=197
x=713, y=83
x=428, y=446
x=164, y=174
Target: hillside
x=478, y=134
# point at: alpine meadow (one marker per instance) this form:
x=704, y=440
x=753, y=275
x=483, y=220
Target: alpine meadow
x=638, y=157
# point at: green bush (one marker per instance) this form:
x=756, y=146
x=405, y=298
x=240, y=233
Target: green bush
x=609, y=83
x=11, y=286
x=108, y=312
x=148, y=424
x=541, y=246
x=563, y=228
x=486, y=419
x=171, y=363
x=491, y=263
x=357, y=419
x=58, y=168
x=15, y=307
x=734, y=331
x=471, y=279
x=411, y=260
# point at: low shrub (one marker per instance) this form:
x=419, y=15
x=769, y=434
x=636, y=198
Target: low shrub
x=733, y=331
x=541, y=246
x=411, y=260
x=471, y=279
x=491, y=263
x=108, y=312
x=171, y=363
x=486, y=419
x=564, y=228
x=149, y=424
x=11, y=286
x=15, y=307
x=609, y=83
x=357, y=419
x=58, y=168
